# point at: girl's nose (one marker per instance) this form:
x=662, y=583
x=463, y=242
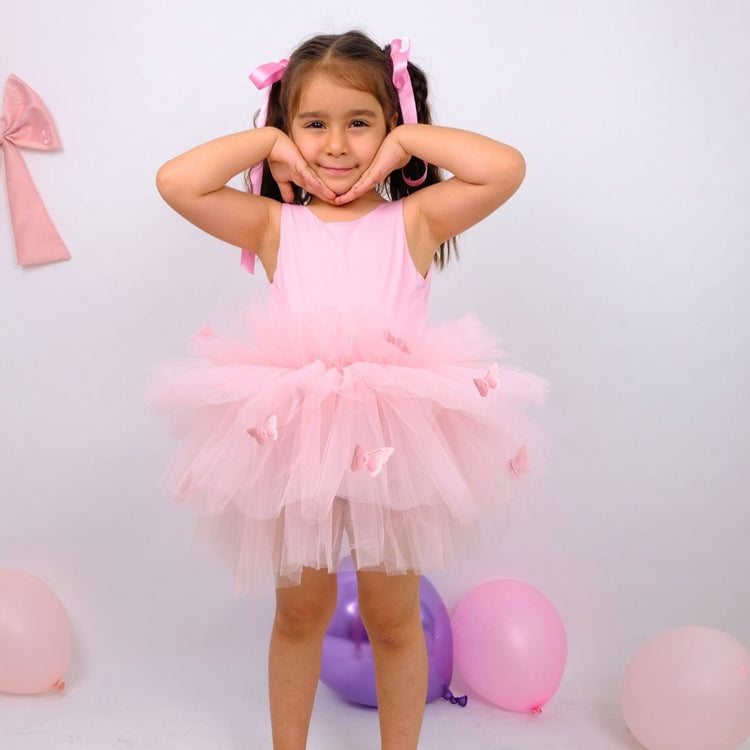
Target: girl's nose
x=336, y=142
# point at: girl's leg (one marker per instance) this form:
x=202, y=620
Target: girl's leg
x=389, y=607
x=302, y=616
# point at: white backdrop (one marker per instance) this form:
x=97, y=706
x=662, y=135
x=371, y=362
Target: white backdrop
x=619, y=272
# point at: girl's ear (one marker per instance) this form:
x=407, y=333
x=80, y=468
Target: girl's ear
x=394, y=122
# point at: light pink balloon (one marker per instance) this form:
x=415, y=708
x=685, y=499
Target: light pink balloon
x=35, y=635
x=509, y=644
x=688, y=689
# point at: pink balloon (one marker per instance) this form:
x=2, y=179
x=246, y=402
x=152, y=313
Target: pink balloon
x=35, y=636
x=509, y=644
x=688, y=689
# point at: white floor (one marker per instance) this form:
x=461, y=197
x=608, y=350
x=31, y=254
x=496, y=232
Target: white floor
x=184, y=699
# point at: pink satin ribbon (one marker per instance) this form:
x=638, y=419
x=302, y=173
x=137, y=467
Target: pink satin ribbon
x=264, y=76
x=400, y=48
x=26, y=123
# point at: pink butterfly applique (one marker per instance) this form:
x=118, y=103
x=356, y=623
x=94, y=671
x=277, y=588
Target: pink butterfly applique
x=371, y=461
x=489, y=382
x=519, y=464
x=396, y=341
x=268, y=431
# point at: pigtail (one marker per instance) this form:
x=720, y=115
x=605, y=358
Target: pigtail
x=396, y=186
x=276, y=118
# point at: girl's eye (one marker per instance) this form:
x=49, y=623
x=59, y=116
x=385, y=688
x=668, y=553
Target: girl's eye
x=359, y=124
x=316, y=124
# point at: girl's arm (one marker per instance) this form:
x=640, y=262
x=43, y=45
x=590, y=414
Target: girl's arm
x=486, y=173
x=194, y=185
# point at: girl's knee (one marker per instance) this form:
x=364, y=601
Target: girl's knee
x=301, y=620
x=305, y=609
x=391, y=615
x=392, y=629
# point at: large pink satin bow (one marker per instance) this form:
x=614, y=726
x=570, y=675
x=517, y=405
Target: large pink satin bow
x=26, y=123
x=264, y=76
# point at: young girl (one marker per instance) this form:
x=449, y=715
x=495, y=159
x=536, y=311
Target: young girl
x=343, y=415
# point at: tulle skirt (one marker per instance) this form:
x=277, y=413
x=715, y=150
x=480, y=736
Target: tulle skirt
x=312, y=436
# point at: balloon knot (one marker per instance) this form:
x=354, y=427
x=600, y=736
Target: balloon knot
x=59, y=686
x=536, y=710
x=460, y=700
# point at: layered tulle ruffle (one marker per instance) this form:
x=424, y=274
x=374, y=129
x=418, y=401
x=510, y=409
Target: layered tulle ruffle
x=313, y=429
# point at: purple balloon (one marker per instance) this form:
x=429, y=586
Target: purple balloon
x=347, y=666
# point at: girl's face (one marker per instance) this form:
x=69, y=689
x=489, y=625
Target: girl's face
x=338, y=130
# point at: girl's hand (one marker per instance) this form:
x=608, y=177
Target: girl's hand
x=287, y=166
x=390, y=156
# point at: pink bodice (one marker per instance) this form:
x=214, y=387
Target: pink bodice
x=361, y=265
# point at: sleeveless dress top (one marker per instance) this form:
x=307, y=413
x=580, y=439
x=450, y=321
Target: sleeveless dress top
x=340, y=421
x=343, y=265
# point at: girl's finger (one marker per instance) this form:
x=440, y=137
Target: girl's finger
x=346, y=197
x=310, y=182
x=287, y=194
x=319, y=187
x=365, y=182
x=372, y=177
x=322, y=190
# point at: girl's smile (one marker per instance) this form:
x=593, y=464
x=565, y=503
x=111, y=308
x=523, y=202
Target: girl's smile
x=337, y=170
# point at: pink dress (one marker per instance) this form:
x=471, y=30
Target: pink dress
x=340, y=421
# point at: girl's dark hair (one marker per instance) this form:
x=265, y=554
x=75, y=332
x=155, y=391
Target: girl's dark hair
x=353, y=60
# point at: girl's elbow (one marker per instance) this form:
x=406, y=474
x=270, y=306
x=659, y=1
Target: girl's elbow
x=509, y=173
x=165, y=180
x=516, y=167
x=172, y=185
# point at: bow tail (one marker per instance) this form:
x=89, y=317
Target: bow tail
x=247, y=259
x=37, y=240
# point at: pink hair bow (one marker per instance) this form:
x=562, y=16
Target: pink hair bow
x=26, y=123
x=370, y=461
x=264, y=76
